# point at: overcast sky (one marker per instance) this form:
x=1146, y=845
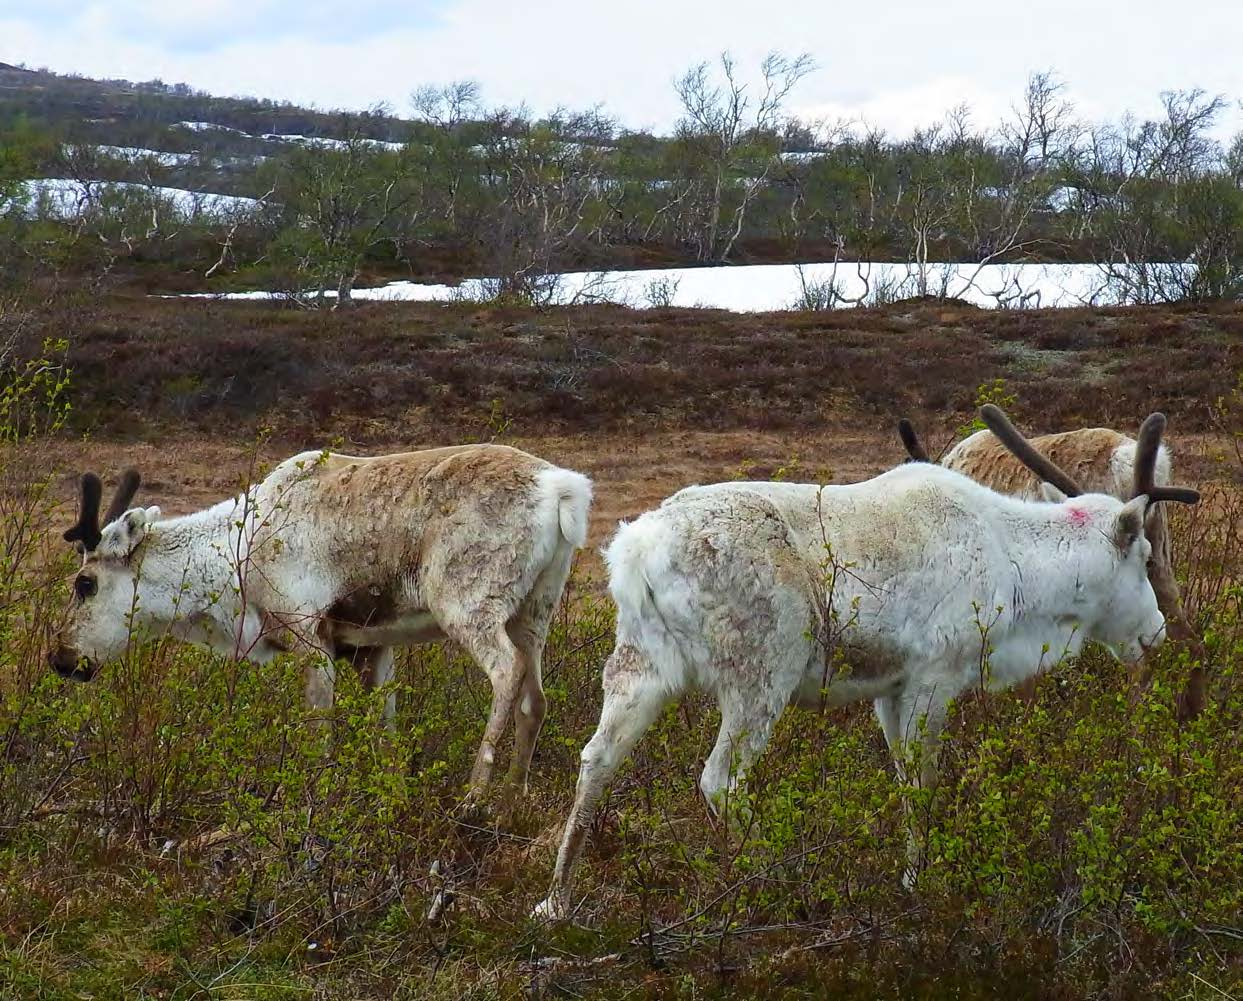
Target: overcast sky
x=897, y=64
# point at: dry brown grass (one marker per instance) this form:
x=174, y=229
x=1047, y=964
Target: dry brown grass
x=645, y=402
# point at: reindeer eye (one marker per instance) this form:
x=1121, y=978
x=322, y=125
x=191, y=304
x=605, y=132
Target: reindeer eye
x=84, y=586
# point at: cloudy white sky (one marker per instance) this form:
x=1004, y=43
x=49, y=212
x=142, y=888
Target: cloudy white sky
x=898, y=63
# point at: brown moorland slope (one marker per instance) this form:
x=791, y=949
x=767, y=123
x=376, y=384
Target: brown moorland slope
x=643, y=401
x=406, y=371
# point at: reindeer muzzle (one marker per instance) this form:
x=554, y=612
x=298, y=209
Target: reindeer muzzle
x=68, y=664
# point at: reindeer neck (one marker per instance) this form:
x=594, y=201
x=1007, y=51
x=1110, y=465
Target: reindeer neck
x=1050, y=550
x=197, y=556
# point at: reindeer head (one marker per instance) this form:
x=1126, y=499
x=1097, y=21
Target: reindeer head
x=97, y=624
x=1120, y=607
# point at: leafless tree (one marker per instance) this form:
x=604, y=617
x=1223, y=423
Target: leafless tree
x=732, y=139
x=340, y=201
x=935, y=185
x=448, y=105
x=448, y=160
x=1147, y=181
x=545, y=179
x=1032, y=145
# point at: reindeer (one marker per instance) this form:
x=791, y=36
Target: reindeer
x=345, y=557
x=726, y=588
x=1103, y=461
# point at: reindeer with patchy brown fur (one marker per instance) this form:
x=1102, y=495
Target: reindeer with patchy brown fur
x=341, y=556
x=1098, y=460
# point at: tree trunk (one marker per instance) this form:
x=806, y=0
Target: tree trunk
x=345, y=290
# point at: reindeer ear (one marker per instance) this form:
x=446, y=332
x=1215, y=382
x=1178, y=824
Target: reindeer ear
x=125, y=534
x=1129, y=525
x=1051, y=493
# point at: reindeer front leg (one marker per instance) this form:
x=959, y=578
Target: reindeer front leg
x=265, y=633
x=914, y=716
x=307, y=635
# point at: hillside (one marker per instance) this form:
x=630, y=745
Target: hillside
x=388, y=372
x=461, y=189
x=127, y=113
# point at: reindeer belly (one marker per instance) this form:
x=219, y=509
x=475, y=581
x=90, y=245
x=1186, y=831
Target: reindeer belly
x=862, y=674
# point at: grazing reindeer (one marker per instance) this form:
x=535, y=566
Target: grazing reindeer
x=346, y=557
x=1102, y=461
x=725, y=588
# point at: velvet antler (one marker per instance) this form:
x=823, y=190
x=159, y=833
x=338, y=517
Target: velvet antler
x=1022, y=449
x=914, y=448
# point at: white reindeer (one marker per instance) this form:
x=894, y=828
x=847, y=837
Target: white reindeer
x=346, y=557
x=724, y=588
x=1101, y=460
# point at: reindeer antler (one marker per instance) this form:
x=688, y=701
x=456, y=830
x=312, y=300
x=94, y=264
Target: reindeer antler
x=89, y=529
x=1147, y=444
x=1022, y=449
x=86, y=531
x=125, y=491
x=914, y=448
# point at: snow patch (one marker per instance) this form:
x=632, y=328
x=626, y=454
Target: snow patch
x=65, y=198
x=328, y=143
x=210, y=127
x=771, y=287
x=163, y=157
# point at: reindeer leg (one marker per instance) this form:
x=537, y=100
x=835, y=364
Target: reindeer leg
x=633, y=698
x=490, y=646
x=914, y=716
x=375, y=670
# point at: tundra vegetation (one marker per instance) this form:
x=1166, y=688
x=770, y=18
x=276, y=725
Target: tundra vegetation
x=1082, y=843
x=459, y=188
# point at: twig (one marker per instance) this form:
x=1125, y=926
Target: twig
x=552, y=963
x=1213, y=987
x=831, y=943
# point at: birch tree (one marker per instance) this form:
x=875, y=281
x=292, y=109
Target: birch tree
x=339, y=202
x=730, y=141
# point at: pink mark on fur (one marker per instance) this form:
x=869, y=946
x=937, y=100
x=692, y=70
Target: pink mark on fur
x=1077, y=516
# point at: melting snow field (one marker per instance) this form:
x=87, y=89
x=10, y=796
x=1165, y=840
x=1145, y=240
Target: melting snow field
x=288, y=137
x=328, y=143
x=207, y=127
x=162, y=157
x=66, y=198
x=768, y=287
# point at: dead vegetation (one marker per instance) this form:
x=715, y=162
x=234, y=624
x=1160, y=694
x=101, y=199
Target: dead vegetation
x=404, y=371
